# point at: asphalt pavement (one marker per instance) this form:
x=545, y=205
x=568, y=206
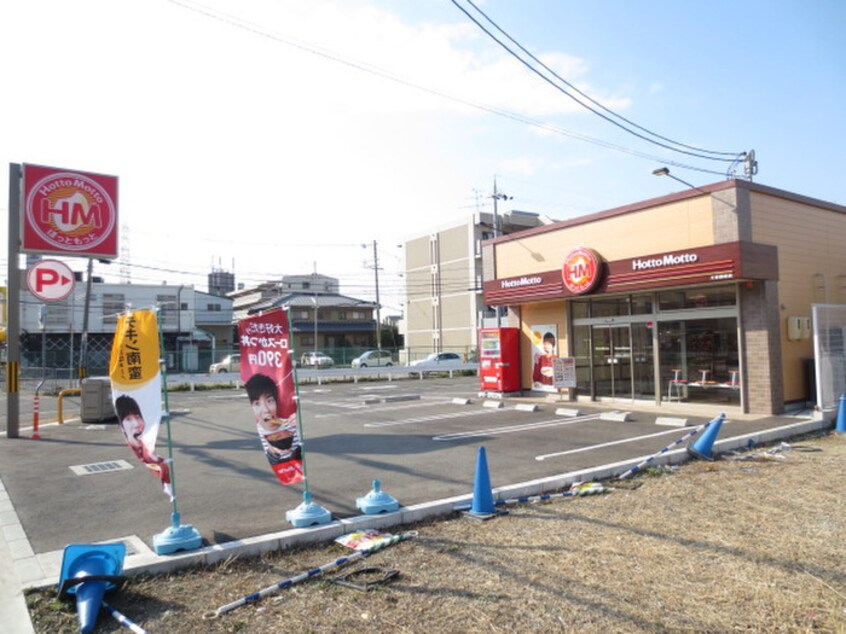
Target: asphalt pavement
x=420, y=439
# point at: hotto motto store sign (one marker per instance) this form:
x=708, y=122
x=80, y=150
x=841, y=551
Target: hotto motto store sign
x=69, y=213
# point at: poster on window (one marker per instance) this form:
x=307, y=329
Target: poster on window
x=268, y=375
x=544, y=350
x=136, y=380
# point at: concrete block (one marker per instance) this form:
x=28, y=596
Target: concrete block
x=526, y=407
x=461, y=401
x=567, y=411
x=494, y=404
x=620, y=417
x=402, y=397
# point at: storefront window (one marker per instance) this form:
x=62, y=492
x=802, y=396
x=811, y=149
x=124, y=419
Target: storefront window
x=610, y=307
x=697, y=298
x=579, y=309
x=642, y=304
x=581, y=351
x=699, y=361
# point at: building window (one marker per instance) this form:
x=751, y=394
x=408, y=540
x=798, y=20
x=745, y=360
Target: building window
x=57, y=315
x=300, y=314
x=697, y=298
x=113, y=305
x=213, y=308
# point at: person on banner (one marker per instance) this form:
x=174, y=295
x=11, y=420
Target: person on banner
x=542, y=373
x=132, y=425
x=277, y=431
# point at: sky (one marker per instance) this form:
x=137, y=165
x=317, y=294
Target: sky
x=273, y=137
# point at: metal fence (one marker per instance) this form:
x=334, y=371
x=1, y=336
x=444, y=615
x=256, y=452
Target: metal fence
x=829, y=331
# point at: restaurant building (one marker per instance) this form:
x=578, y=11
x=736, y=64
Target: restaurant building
x=702, y=296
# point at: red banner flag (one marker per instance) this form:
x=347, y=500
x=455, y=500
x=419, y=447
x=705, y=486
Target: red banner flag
x=268, y=374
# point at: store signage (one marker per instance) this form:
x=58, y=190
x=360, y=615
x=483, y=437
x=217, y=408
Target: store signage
x=581, y=270
x=521, y=281
x=639, y=264
x=69, y=212
x=49, y=280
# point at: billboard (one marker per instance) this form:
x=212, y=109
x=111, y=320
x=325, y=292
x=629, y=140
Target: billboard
x=68, y=212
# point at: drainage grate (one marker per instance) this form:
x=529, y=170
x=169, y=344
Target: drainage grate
x=101, y=467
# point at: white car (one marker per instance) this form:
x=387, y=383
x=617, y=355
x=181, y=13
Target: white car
x=438, y=362
x=373, y=358
x=230, y=363
x=317, y=360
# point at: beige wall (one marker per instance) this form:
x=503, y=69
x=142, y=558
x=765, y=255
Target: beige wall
x=679, y=225
x=810, y=242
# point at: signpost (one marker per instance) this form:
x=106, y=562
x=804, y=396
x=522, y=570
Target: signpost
x=58, y=211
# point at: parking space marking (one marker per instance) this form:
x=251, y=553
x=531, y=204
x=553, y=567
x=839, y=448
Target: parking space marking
x=393, y=408
x=606, y=444
x=427, y=419
x=513, y=429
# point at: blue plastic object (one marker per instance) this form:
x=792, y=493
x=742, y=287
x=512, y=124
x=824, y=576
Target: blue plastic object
x=483, y=503
x=703, y=448
x=88, y=571
x=377, y=501
x=177, y=537
x=840, y=427
x=308, y=513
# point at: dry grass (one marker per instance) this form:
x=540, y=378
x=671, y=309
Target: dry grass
x=753, y=545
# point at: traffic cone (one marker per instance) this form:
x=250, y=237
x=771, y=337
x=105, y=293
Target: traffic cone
x=483, y=503
x=88, y=571
x=840, y=427
x=702, y=448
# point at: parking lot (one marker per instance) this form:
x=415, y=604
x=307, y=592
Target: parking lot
x=418, y=437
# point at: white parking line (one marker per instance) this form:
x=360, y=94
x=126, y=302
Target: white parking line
x=357, y=406
x=428, y=419
x=606, y=444
x=557, y=422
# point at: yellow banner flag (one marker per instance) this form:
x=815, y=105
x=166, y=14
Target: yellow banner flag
x=136, y=379
x=135, y=357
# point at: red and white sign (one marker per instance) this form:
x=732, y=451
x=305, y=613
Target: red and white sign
x=49, y=280
x=581, y=270
x=68, y=212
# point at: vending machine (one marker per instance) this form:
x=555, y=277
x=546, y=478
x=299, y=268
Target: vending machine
x=499, y=359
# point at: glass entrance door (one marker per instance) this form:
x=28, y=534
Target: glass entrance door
x=612, y=362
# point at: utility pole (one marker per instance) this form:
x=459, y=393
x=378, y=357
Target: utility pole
x=497, y=196
x=378, y=305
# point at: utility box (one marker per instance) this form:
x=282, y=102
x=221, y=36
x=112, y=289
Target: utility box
x=96, y=400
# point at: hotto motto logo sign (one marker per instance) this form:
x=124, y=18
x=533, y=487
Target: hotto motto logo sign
x=69, y=212
x=581, y=271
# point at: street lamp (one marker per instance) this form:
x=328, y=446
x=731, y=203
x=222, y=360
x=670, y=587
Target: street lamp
x=665, y=171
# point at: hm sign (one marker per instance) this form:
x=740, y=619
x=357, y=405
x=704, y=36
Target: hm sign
x=50, y=280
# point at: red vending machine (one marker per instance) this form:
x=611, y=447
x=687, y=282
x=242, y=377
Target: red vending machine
x=499, y=359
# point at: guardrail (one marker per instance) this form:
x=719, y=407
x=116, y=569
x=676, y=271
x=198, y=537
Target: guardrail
x=308, y=375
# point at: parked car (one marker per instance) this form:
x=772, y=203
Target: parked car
x=373, y=358
x=317, y=359
x=230, y=363
x=438, y=361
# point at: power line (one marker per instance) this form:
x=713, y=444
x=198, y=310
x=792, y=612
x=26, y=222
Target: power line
x=360, y=66
x=698, y=153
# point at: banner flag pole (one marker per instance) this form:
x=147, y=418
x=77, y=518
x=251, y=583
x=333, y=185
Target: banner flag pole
x=308, y=513
x=177, y=536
